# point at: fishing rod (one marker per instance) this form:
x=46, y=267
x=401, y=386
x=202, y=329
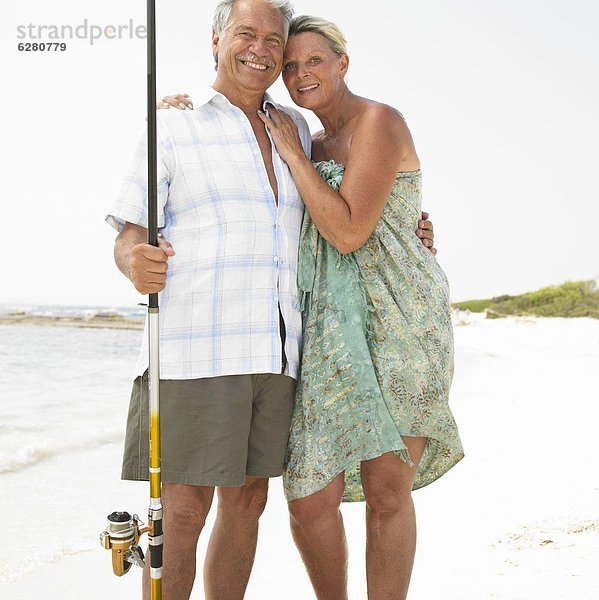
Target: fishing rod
x=124, y=531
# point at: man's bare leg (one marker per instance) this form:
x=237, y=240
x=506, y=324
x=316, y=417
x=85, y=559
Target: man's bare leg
x=232, y=545
x=317, y=528
x=390, y=522
x=184, y=516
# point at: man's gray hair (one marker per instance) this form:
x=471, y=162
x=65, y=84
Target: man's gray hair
x=224, y=12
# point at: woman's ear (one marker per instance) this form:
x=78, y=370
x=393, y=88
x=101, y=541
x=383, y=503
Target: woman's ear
x=344, y=65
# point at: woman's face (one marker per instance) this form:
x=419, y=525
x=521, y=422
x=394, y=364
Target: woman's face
x=312, y=72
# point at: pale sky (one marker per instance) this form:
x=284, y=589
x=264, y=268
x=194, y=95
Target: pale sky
x=501, y=98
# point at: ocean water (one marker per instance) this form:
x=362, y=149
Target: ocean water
x=64, y=396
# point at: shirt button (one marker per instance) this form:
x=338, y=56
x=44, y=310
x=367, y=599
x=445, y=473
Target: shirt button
x=276, y=298
x=276, y=259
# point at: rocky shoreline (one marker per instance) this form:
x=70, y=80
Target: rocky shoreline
x=92, y=321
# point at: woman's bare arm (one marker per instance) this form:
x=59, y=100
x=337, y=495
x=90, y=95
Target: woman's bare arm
x=381, y=145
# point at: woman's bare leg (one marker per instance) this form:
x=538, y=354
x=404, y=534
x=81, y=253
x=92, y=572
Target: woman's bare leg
x=317, y=528
x=390, y=522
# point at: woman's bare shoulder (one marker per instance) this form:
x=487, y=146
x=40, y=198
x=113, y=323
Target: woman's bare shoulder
x=384, y=127
x=383, y=116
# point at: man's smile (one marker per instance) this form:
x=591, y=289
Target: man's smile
x=254, y=63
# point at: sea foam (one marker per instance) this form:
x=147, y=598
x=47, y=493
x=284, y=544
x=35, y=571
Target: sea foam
x=12, y=461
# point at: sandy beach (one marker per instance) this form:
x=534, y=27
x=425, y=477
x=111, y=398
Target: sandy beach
x=518, y=519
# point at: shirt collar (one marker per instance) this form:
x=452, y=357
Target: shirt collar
x=268, y=99
x=205, y=94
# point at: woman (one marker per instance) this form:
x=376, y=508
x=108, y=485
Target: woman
x=371, y=420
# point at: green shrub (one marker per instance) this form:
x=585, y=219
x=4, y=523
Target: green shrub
x=570, y=299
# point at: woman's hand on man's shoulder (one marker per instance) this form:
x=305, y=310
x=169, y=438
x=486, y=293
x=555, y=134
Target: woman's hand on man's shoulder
x=180, y=101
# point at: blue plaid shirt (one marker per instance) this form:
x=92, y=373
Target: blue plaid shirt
x=236, y=249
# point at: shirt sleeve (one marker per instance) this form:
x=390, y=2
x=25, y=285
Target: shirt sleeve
x=131, y=203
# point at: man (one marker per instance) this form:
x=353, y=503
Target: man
x=230, y=327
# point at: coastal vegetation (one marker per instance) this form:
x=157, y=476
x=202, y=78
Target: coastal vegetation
x=570, y=299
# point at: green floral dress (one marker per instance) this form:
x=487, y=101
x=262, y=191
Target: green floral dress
x=377, y=358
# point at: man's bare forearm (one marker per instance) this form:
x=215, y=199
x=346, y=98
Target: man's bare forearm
x=127, y=239
x=144, y=265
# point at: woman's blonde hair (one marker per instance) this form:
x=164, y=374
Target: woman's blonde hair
x=328, y=30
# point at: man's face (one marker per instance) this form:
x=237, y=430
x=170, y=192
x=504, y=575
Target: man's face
x=250, y=49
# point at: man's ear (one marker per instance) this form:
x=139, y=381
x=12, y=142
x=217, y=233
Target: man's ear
x=215, y=40
x=344, y=65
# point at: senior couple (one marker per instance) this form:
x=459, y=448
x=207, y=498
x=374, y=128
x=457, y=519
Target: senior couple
x=271, y=236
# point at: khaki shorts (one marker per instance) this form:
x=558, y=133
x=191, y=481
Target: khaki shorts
x=214, y=431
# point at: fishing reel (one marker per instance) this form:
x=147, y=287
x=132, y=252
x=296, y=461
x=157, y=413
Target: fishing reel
x=122, y=537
